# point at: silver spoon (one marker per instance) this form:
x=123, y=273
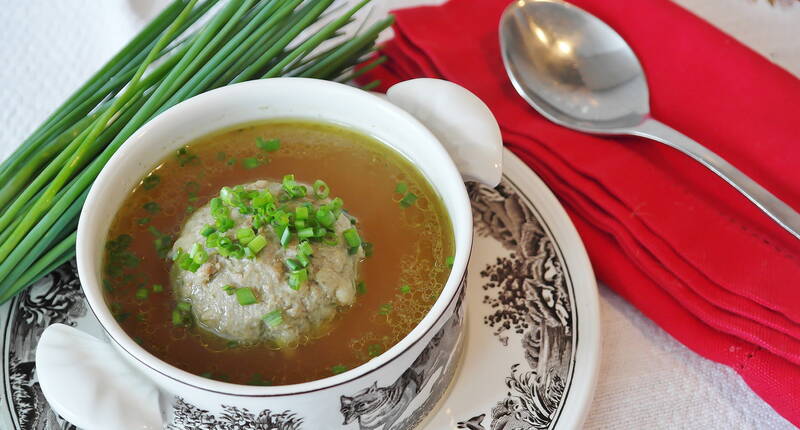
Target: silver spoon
x=578, y=72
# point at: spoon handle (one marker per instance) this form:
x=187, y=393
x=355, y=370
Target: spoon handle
x=779, y=211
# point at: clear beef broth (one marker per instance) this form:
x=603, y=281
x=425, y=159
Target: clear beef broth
x=402, y=278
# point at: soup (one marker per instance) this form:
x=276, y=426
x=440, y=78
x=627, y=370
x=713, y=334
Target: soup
x=277, y=253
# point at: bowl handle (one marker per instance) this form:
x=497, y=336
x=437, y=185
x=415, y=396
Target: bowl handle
x=85, y=380
x=460, y=120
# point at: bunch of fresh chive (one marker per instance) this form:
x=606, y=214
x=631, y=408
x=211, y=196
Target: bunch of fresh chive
x=44, y=183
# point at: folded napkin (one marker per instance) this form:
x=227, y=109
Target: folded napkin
x=667, y=234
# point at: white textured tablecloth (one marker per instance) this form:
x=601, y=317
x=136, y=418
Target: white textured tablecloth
x=647, y=379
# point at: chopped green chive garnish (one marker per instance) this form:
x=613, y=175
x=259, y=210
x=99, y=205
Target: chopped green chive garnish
x=325, y=217
x=352, y=238
x=261, y=200
x=120, y=243
x=245, y=296
x=361, y=288
x=256, y=379
x=198, y=254
x=270, y=145
x=226, y=244
x=150, y=182
x=274, y=318
x=401, y=188
x=142, y=293
x=222, y=377
x=304, y=261
x=304, y=220
x=229, y=289
x=321, y=189
x=294, y=264
x=339, y=368
x=224, y=224
x=286, y=237
x=405, y=289
x=143, y=221
x=281, y=218
x=119, y=257
x=177, y=318
x=292, y=189
x=450, y=261
x=119, y=313
x=245, y=235
x=181, y=315
x=191, y=187
x=152, y=207
x=305, y=233
x=231, y=162
x=297, y=278
x=107, y=286
x=162, y=242
x=374, y=350
x=257, y=244
x=408, y=200
x=184, y=157
x=228, y=196
x=368, y=248
x=385, y=309
x=212, y=241
x=305, y=248
x=251, y=163
x=158, y=288
x=330, y=239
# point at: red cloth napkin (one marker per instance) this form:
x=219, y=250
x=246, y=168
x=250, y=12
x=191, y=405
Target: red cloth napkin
x=668, y=235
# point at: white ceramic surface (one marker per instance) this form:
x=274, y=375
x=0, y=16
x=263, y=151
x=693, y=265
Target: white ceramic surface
x=455, y=111
x=322, y=403
x=61, y=347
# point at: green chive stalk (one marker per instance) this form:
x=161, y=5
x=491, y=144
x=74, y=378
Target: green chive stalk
x=44, y=183
x=357, y=73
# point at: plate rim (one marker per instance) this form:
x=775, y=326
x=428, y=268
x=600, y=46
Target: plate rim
x=575, y=407
x=579, y=394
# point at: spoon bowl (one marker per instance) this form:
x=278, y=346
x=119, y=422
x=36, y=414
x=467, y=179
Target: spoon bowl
x=578, y=72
